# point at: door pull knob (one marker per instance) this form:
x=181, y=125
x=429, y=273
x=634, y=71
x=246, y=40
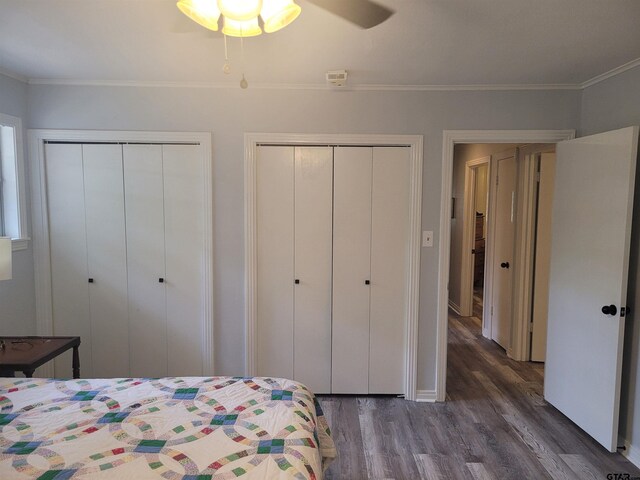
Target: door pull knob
x=297, y=281
x=91, y=280
x=609, y=310
x=504, y=265
x=161, y=280
x=367, y=282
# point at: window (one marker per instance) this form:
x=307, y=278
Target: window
x=13, y=222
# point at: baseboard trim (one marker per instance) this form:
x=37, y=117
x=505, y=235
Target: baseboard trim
x=631, y=453
x=426, y=396
x=454, y=307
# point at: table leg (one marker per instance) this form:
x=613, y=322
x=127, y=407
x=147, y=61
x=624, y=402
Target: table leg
x=28, y=373
x=76, y=363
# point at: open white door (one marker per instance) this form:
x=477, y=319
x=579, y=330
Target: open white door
x=503, y=238
x=591, y=229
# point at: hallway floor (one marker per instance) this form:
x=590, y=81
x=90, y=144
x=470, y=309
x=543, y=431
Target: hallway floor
x=494, y=425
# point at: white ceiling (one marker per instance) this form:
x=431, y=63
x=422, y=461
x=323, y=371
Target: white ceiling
x=427, y=42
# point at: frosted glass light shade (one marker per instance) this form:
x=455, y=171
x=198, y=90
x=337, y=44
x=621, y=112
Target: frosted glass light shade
x=240, y=10
x=241, y=17
x=203, y=12
x=5, y=258
x=277, y=14
x=248, y=28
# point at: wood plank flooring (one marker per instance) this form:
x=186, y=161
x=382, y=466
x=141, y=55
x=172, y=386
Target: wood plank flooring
x=494, y=425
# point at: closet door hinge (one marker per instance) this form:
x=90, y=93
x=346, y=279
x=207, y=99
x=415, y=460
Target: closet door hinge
x=530, y=327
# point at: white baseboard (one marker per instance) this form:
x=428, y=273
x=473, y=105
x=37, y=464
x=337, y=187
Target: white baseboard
x=426, y=396
x=631, y=453
x=454, y=307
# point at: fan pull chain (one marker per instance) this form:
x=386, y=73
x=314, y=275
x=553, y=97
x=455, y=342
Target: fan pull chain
x=243, y=83
x=226, y=68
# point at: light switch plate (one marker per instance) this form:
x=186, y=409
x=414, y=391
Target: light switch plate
x=427, y=239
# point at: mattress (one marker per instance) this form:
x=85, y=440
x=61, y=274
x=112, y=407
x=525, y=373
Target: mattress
x=189, y=428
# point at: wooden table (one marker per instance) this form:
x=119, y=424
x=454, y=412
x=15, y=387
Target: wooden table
x=25, y=354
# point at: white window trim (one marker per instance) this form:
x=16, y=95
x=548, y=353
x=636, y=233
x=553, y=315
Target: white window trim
x=22, y=241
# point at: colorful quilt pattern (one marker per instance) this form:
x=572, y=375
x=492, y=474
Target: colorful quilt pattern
x=189, y=428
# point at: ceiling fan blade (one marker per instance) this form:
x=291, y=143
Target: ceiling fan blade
x=364, y=13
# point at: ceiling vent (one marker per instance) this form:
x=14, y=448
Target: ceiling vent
x=337, y=78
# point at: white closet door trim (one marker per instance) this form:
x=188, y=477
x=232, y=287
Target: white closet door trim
x=39, y=208
x=415, y=143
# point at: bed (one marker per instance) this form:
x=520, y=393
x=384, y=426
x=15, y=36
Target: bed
x=190, y=428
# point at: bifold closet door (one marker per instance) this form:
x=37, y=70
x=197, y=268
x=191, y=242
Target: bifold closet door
x=144, y=193
x=390, y=208
x=184, y=257
x=68, y=250
x=275, y=254
x=313, y=245
x=351, y=269
x=106, y=259
x=294, y=224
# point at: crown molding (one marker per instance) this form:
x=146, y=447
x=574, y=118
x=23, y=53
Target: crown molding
x=458, y=88
x=11, y=74
x=321, y=86
x=127, y=83
x=301, y=86
x=611, y=73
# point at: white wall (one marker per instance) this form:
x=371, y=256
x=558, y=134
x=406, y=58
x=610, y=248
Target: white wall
x=461, y=155
x=230, y=113
x=17, y=296
x=615, y=103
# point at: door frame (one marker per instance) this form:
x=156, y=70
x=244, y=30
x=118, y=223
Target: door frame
x=468, y=231
x=41, y=242
x=415, y=142
x=524, y=252
x=449, y=139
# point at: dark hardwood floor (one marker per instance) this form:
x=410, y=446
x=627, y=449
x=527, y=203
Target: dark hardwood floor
x=494, y=425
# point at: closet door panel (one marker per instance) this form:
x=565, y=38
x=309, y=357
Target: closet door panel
x=351, y=268
x=313, y=247
x=68, y=247
x=144, y=200
x=106, y=253
x=275, y=273
x=184, y=257
x=389, y=257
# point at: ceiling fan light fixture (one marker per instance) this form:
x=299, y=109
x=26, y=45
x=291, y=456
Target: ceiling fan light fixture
x=246, y=28
x=203, y=12
x=240, y=10
x=277, y=14
x=241, y=17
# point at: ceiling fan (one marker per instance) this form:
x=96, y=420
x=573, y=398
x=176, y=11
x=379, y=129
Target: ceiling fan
x=364, y=13
x=247, y=18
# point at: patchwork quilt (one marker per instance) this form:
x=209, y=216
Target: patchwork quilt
x=188, y=428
